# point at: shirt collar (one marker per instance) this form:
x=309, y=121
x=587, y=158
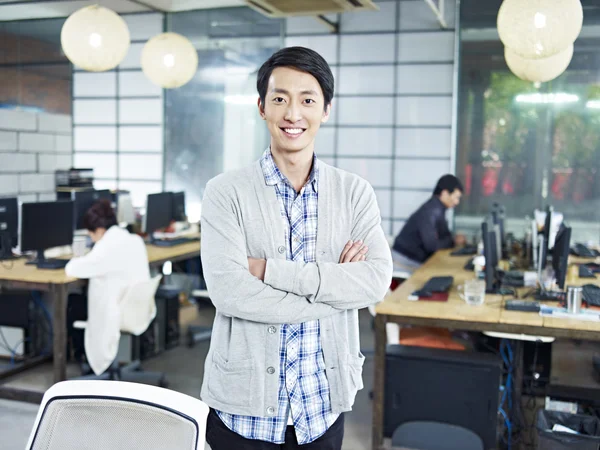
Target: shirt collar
x=438, y=202
x=273, y=175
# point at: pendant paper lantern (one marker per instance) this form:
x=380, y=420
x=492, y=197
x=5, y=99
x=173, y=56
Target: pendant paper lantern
x=539, y=28
x=169, y=60
x=541, y=70
x=95, y=38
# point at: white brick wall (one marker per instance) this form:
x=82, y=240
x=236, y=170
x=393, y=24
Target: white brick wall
x=36, y=142
x=54, y=123
x=8, y=140
x=49, y=163
x=17, y=162
x=9, y=184
x=17, y=120
x=36, y=182
x=32, y=147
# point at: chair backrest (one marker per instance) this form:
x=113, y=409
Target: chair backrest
x=138, y=306
x=117, y=415
x=435, y=436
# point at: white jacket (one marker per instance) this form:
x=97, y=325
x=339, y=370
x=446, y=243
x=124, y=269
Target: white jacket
x=117, y=261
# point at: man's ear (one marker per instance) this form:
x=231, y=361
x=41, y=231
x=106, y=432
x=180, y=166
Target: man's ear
x=261, y=109
x=326, y=113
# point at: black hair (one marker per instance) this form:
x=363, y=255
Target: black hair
x=100, y=215
x=447, y=183
x=300, y=58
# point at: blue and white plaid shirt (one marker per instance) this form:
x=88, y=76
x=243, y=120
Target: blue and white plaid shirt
x=303, y=385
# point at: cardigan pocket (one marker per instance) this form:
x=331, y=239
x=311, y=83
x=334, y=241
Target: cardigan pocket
x=230, y=382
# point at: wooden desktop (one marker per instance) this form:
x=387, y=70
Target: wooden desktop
x=458, y=315
x=16, y=275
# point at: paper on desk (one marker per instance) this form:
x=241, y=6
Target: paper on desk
x=561, y=313
x=563, y=429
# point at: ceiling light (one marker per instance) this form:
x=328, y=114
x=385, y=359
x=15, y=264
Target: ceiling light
x=539, y=70
x=169, y=60
x=539, y=28
x=95, y=38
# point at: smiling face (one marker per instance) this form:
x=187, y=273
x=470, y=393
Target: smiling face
x=294, y=110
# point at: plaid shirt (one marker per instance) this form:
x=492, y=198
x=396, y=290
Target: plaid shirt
x=303, y=385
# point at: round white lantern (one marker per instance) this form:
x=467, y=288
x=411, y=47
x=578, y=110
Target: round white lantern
x=540, y=70
x=539, y=28
x=95, y=38
x=169, y=60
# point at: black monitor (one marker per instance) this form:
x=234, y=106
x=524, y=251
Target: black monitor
x=104, y=194
x=46, y=225
x=546, y=234
x=9, y=226
x=83, y=201
x=179, y=207
x=560, y=256
x=159, y=211
x=491, y=257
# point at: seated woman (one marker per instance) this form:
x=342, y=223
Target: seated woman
x=117, y=261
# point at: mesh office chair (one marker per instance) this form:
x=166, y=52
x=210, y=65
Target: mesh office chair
x=108, y=415
x=138, y=301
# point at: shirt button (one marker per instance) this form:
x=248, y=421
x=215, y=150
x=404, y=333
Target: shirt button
x=281, y=249
x=270, y=410
x=272, y=330
x=271, y=370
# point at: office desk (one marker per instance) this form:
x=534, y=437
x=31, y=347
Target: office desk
x=19, y=276
x=456, y=314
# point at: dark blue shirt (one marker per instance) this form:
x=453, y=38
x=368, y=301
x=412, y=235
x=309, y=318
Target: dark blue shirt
x=425, y=232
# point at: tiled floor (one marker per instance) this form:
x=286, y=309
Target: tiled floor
x=184, y=368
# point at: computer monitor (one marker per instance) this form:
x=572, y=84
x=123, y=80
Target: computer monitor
x=46, y=225
x=546, y=234
x=560, y=256
x=179, y=207
x=83, y=201
x=9, y=226
x=491, y=258
x=104, y=194
x=159, y=212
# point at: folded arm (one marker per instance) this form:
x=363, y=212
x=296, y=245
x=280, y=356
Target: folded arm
x=350, y=285
x=234, y=291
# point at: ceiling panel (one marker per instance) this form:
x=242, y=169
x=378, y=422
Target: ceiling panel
x=45, y=10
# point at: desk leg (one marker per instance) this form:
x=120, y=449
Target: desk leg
x=59, y=293
x=378, y=385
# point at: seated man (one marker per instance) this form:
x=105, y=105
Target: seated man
x=426, y=231
x=117, y=261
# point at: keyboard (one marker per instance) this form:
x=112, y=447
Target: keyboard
x=467, y=250
x=438, y=284
x=591, y=294
x=583, y=251
x=174, y=242
x=586, y=272
x=52, y=264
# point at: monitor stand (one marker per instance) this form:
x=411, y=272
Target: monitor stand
x=52, y=264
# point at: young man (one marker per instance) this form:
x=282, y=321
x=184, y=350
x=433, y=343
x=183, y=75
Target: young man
x=426, y=231
x=291, y=248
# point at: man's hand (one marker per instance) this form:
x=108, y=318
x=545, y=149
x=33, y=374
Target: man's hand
x=354, y=252
x=460, y=240
x=257, y=267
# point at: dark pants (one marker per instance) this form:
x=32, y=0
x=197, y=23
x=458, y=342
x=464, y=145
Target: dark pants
x=219, y=437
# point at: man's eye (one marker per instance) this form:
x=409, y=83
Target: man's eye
x=278, y=100
x=309, y=100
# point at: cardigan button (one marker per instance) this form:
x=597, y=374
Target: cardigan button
x=281, y=249
x=272, y=330
x=270, y=410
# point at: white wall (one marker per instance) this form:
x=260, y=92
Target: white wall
x=392, y=117
x=32, y=147
x=118, y=119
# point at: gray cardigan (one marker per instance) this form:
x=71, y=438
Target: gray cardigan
x=241, y=218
